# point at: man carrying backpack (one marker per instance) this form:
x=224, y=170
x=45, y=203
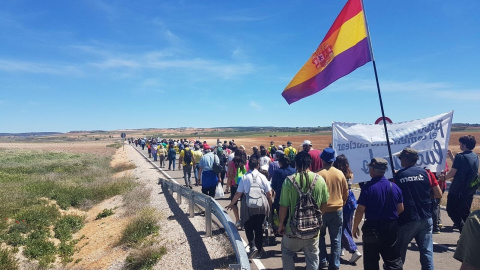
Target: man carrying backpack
x=187, y=159
x=272, y=149
x=290, y=152
x=256, y=205
x=298, y=235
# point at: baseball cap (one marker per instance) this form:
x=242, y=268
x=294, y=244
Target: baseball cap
x=307, y=142
x=328, y=154
x=409, y=153
x=378, y=163
x=289, y=143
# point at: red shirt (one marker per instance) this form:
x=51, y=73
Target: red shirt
x=316, y=164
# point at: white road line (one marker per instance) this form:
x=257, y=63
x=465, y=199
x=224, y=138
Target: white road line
x=257, y=262
x=445, y=247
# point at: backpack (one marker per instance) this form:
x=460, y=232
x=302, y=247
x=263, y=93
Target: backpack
x=306, y=220
x=273, y=149
x=291, y=155
x=255, y=194
x=187, y=156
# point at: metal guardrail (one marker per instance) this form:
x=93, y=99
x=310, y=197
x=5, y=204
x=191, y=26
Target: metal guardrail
x=211, y=207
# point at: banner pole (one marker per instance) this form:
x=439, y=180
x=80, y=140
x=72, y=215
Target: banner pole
x=378, y=90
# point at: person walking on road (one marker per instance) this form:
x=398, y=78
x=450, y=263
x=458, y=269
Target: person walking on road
x=209, y=177
x=316, y=164
x=464, y=170
x=253, y=216
x=341, y=163
x=333, y=214
x=288, y=200
x=162, y=152
x=197, y=156
x=187, y=159
x=416, y=220
x=381, y=201
x=172, y=156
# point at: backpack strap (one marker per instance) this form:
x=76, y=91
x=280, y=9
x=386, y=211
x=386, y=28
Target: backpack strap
x=295, y=184
x=314, y=182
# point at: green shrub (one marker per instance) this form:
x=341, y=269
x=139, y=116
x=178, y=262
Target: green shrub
x=141, y=226
x=7, y=260
x=38, y=216
x=115, y=145
x=66, y=250
x=104, y=213
x=145, y=258
x=40, y=248
x=68, y=225
x=14, y=239
x=123, y=166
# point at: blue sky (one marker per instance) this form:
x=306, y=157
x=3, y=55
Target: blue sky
x=89, y=65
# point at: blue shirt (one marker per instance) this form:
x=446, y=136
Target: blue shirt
x=374, y=196
x=278, y=178
x=415, y=186
x=206, y=163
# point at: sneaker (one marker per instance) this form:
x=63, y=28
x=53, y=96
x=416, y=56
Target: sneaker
x=440, y=225
x=343, y=252
x=436, y=232
x=238, y=225
x=253, y=251
x=355, y=256
x=191, y=187
x=261, y=254
x=323, y=265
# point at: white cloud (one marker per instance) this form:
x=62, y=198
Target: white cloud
x=32, y=67
x=255, y=105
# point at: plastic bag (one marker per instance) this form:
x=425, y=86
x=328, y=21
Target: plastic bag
x=219, y=191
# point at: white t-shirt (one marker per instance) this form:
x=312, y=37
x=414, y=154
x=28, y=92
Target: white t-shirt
x=247, y=180
x=265, y=162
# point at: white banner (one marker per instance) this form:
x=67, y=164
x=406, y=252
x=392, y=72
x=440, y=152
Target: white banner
x=362, y=142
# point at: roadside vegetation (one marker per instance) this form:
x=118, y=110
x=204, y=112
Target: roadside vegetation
x=141, y=230
x=36, y=185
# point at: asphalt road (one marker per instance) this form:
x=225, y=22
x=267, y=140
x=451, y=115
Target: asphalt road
x=444, y=243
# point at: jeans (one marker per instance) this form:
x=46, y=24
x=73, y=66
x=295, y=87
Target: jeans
x=347, y=240
x=291, y=245
x=334, y=222
x=436, y=214
x=421, y=230
x=386, y=246
x=170, y=161
x=195, y=173
x=458, y=209
x=154, y=156
x=187, y=174
x=254, y=231
x=210, y=191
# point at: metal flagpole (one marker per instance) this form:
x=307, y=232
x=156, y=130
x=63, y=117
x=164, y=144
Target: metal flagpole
x=378, y=89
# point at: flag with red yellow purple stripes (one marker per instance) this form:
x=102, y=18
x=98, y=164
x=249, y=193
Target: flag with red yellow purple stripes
x=344, y=48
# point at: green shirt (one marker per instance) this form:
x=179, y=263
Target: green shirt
x=289, y=195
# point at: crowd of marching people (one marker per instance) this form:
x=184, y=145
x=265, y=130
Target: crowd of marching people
x=306, y=193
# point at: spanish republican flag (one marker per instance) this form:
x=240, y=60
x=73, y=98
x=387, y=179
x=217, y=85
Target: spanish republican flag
x=345, y=48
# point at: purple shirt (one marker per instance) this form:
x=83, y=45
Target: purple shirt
x=374, y=195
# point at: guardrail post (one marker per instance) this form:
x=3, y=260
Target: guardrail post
x=191, y=205
x=179, y=195
x=208, y=217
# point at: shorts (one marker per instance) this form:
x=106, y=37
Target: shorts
x=233, y=190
